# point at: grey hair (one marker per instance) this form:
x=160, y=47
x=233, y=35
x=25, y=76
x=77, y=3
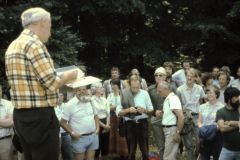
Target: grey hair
x=94, y=86
x=32, y=15
x=165, y=85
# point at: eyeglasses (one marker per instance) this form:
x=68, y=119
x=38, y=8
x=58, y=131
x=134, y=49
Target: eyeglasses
x=158, y=75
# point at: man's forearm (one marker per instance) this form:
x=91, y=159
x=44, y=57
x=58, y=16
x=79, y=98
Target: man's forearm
x=123, y=112
x=149, y=111
x=66, y=126
x=234, y=124
x=6, y=123
x=97, y=123
x=180, y=123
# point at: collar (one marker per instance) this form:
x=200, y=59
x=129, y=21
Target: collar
x=30, y=33
x=170, y=95
x=187, y=88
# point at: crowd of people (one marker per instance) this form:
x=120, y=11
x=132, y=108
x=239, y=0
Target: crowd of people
x=189, y=111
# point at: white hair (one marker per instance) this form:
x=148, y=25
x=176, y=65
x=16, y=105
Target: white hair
x=94, y=86
x=165, y=85
x=32, y=15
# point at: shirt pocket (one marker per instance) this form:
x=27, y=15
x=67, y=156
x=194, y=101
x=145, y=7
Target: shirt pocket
x=196, y=98
x=89, y=111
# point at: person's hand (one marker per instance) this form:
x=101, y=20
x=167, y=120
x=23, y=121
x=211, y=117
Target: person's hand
x=97, y=131
x=159, y=113
x=141, y=110
x=176, y=138
x=228, y=123
x=75, y=135
x=69, y=76
x=107, y=127
x=73, y=75
x=132, y=110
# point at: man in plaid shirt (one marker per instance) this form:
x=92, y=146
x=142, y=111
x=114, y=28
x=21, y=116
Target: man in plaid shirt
x=34, y=86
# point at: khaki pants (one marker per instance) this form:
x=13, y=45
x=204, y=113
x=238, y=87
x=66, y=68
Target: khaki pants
x=171, y=148
x=6, y=149
x=158, y=135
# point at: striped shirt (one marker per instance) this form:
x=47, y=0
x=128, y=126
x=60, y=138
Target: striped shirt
x=30, y=72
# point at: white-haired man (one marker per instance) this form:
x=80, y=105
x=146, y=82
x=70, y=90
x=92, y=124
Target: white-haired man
x=81, y=121
x=172, y=121
x=34, y=87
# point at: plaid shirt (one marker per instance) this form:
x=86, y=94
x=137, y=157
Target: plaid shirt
x=31, y=74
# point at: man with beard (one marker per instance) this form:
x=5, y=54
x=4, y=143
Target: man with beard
x=236, y=82
x=228, y=122
x=80, y=120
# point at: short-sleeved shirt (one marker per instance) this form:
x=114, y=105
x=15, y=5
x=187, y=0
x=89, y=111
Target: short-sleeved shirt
x=114, y=100
x=231, y=139
x=58, y=111
x=190, y=97
x=80, y=116
x=170, y=103
x=236, y=83
x=30, y=72
x=179, y=77
x=6, y=108
x=101, y=106
x=209, y=111
x=141, y=99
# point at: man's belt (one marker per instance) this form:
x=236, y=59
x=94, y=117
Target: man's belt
x=87, y=134
x=194, y=114
x=5, y=137
x=137, y=120
x=168, y=126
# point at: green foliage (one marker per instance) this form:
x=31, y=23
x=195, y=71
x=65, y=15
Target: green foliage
x=134, y=33
x=64, y=44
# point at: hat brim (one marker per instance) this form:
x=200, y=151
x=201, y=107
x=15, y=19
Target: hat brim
x=84, y=81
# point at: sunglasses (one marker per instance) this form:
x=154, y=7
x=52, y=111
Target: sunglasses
x=158, y=75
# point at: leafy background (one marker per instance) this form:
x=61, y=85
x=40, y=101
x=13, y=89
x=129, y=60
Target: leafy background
x=99, y=34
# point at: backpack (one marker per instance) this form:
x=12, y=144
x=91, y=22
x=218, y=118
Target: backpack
x=188, y=122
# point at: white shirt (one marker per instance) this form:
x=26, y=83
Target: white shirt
x=101, y=106
x=6, y=108
x=208, y=112
x=141, y=99
x=58, y=111
x=80, y=116
x=221, y=95
x=108, y=88
x=170, y=103
x=190, y=97
x=236, y=83
x=179, y=77
x=114, y=100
